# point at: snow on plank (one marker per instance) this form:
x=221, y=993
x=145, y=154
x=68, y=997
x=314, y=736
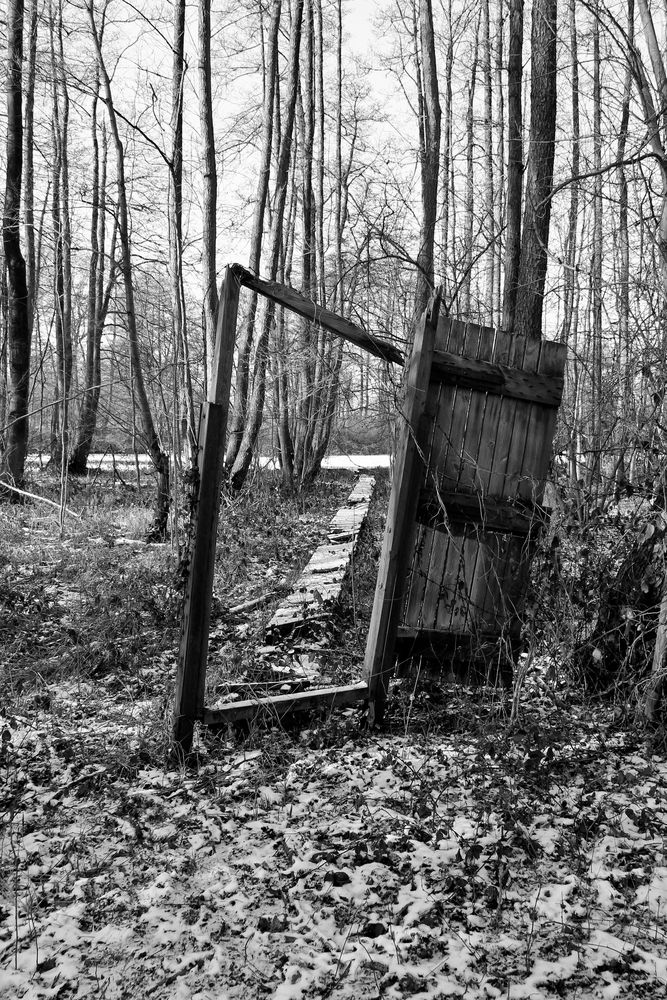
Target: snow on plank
x=321, y=580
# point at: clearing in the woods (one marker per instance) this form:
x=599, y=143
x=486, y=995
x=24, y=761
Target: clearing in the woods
x=471, y=851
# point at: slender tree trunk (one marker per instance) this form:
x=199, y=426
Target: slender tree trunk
x=624, y=377
x=499, y=199
x=596, y=263
x=158, y=457
x=246, y=334
x=62, y=241
x=489, y=197
x=514, y=163
x=241, y=464
x=99, y=298
x=28, y=157
x=209, y=185
x=429, y=156
x=469, y=221
x=569, y=328
x=179, y=316
x=447, y=158
x=18, y=318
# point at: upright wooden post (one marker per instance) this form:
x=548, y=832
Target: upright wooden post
x=191, y=675
x=408, y=470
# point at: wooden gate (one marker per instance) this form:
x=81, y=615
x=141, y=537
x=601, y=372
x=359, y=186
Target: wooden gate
x=479, y=418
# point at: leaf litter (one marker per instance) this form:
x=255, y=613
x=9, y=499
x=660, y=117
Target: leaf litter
x=458, y=856
x=432, y=865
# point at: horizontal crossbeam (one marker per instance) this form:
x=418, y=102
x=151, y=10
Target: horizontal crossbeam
x=442, y=508
x=499, y=380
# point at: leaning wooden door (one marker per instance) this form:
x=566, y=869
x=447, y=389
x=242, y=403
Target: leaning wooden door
x=466, y=498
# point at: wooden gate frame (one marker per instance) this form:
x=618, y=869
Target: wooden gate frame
x=426, y=363
x=189, y=706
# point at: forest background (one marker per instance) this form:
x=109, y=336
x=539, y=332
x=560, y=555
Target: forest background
x=363, y=155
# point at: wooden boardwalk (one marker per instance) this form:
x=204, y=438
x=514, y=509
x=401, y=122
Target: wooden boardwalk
x=321, y=581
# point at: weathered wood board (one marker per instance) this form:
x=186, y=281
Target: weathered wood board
x=321, y=579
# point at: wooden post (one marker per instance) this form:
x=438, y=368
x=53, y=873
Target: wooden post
x=191, y=674
x=408, y=470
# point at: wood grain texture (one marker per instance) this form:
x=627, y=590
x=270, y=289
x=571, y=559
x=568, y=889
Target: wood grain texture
x=407, y=481
x=193, y=652
x=293, y=300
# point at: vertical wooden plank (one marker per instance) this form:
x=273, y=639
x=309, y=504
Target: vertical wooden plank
x=451, y=334
x=537, y=452
x=193, y=653
x=495, y=407
x=453, y=556
x=475, y=555
x=505, y=428
x=523, y=419
x=408, y=477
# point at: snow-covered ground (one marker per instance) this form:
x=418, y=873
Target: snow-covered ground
x=482, y=866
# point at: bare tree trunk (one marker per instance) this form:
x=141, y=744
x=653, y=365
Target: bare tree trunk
x=209, y=185
x=28, y=157
x=62, y=241
x=465, y=296
x=253, y=423
x=569, y=327
x=514, y=163
x=308, y=334
x=246, y=335
x=539, y=176
x=18, y=318
x=499, y=200
x=158, y=457
x=99, y=298
x=429, y=154
x=447, y=157
x=179, y=316
x=625, y=394
x=596, y=264
x=489, y=198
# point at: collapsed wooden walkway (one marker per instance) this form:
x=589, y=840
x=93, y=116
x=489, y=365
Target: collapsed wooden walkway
x=307, y=610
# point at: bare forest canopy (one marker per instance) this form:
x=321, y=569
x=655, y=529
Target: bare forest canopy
x=359, y=152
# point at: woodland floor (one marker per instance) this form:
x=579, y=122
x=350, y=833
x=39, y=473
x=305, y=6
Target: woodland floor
x=457, y=855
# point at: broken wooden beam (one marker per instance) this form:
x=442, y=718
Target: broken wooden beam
x=283, y=295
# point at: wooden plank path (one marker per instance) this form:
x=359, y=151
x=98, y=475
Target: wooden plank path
x=322, y=578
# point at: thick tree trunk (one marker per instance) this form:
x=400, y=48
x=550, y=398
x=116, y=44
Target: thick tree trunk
x=18, y=318
x=539, y=175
